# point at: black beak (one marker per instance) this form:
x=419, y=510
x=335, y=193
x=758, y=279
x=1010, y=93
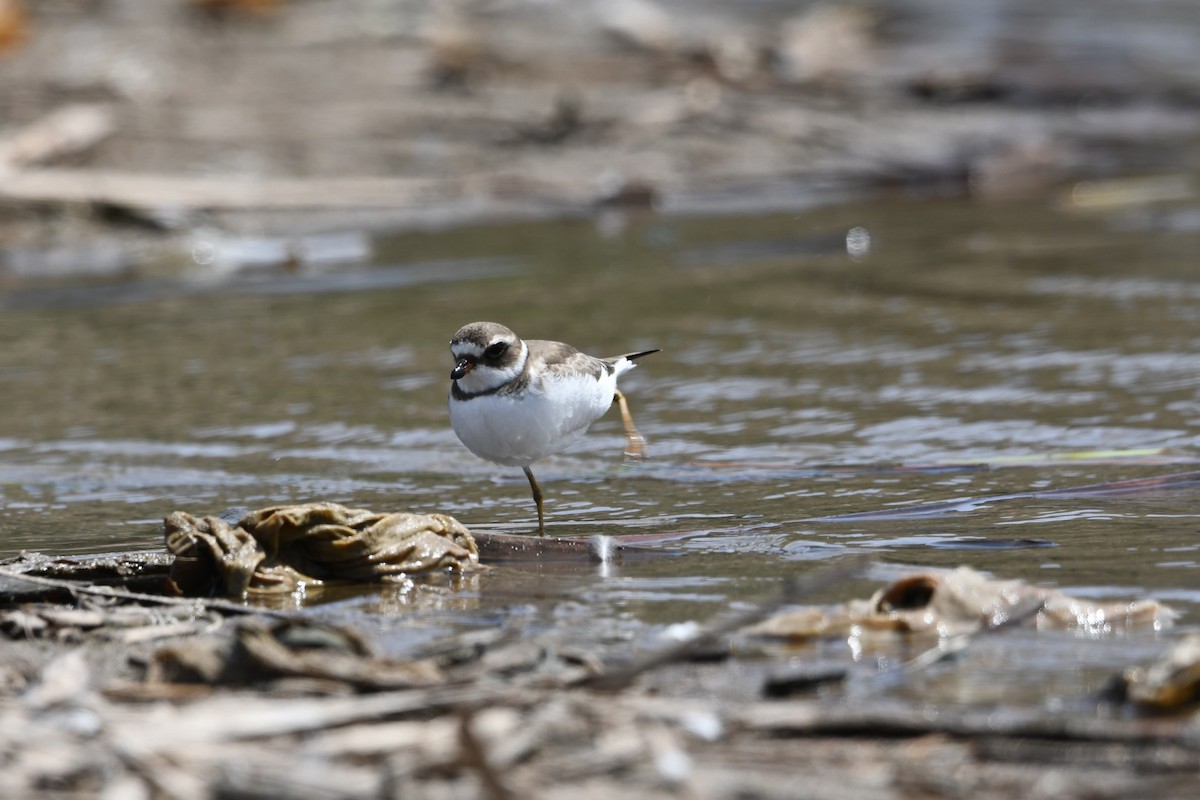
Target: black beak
x=461, y=368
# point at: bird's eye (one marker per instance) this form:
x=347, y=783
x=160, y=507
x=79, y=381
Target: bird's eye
x=495, y=350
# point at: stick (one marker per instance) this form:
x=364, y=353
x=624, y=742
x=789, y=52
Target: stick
x=816, y=718
x=214, y=604
x=816, y=581
x=66, y=131
x=475, y=757
x=222, y=193
x=957, y=644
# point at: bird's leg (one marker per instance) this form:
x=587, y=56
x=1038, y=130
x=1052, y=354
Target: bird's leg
x=635, y=443
x=537, y=498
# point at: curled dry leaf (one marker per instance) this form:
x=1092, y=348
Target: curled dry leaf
x=952, y=602
x=279, y=549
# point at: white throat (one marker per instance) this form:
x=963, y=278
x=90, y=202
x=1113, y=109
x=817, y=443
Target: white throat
x=484, y=378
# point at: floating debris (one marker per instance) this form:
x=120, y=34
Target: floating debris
x=960, y=601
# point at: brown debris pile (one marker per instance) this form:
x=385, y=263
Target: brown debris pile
x=963, y=601
x=282, y=549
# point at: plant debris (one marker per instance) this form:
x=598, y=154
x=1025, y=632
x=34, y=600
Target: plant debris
x=283, y=549
x=962, y=601
x=121, y=695
x=1172, y=681
x=260, y=652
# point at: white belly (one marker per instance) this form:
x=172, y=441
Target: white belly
x=517, y=431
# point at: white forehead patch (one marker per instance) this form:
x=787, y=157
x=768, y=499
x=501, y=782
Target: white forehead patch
x=465, y=348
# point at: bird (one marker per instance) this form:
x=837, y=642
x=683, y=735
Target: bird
x=514, y=402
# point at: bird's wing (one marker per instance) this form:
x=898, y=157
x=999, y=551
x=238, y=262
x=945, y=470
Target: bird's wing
x=556, y=359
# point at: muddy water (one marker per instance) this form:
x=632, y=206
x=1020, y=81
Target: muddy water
x=860, y=358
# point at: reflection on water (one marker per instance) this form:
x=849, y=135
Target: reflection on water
x=971, y=351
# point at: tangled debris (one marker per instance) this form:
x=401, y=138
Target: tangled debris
x=109, y=692
x=124, y=694
x=261, y=651
x=283, y=549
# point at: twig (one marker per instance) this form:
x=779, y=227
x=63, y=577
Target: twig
x=242, y=718
x=207, y=604
x=475, y=757
x=139, y=190
x=793, y=590
x=957, y=644
x=816, y=718
x=66, y=131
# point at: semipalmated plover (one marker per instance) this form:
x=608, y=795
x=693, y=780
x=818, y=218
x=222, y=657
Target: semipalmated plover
x=515, y=402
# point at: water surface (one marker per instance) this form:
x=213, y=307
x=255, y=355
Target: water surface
x=871, y=356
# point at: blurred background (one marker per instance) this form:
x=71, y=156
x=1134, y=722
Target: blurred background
x=895, y=253
x=241, y=113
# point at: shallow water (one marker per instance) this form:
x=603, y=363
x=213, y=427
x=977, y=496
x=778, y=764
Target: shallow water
x=859, y=358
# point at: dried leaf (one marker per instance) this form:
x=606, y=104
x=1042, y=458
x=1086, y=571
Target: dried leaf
x=953, y=602
x=279, y=549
